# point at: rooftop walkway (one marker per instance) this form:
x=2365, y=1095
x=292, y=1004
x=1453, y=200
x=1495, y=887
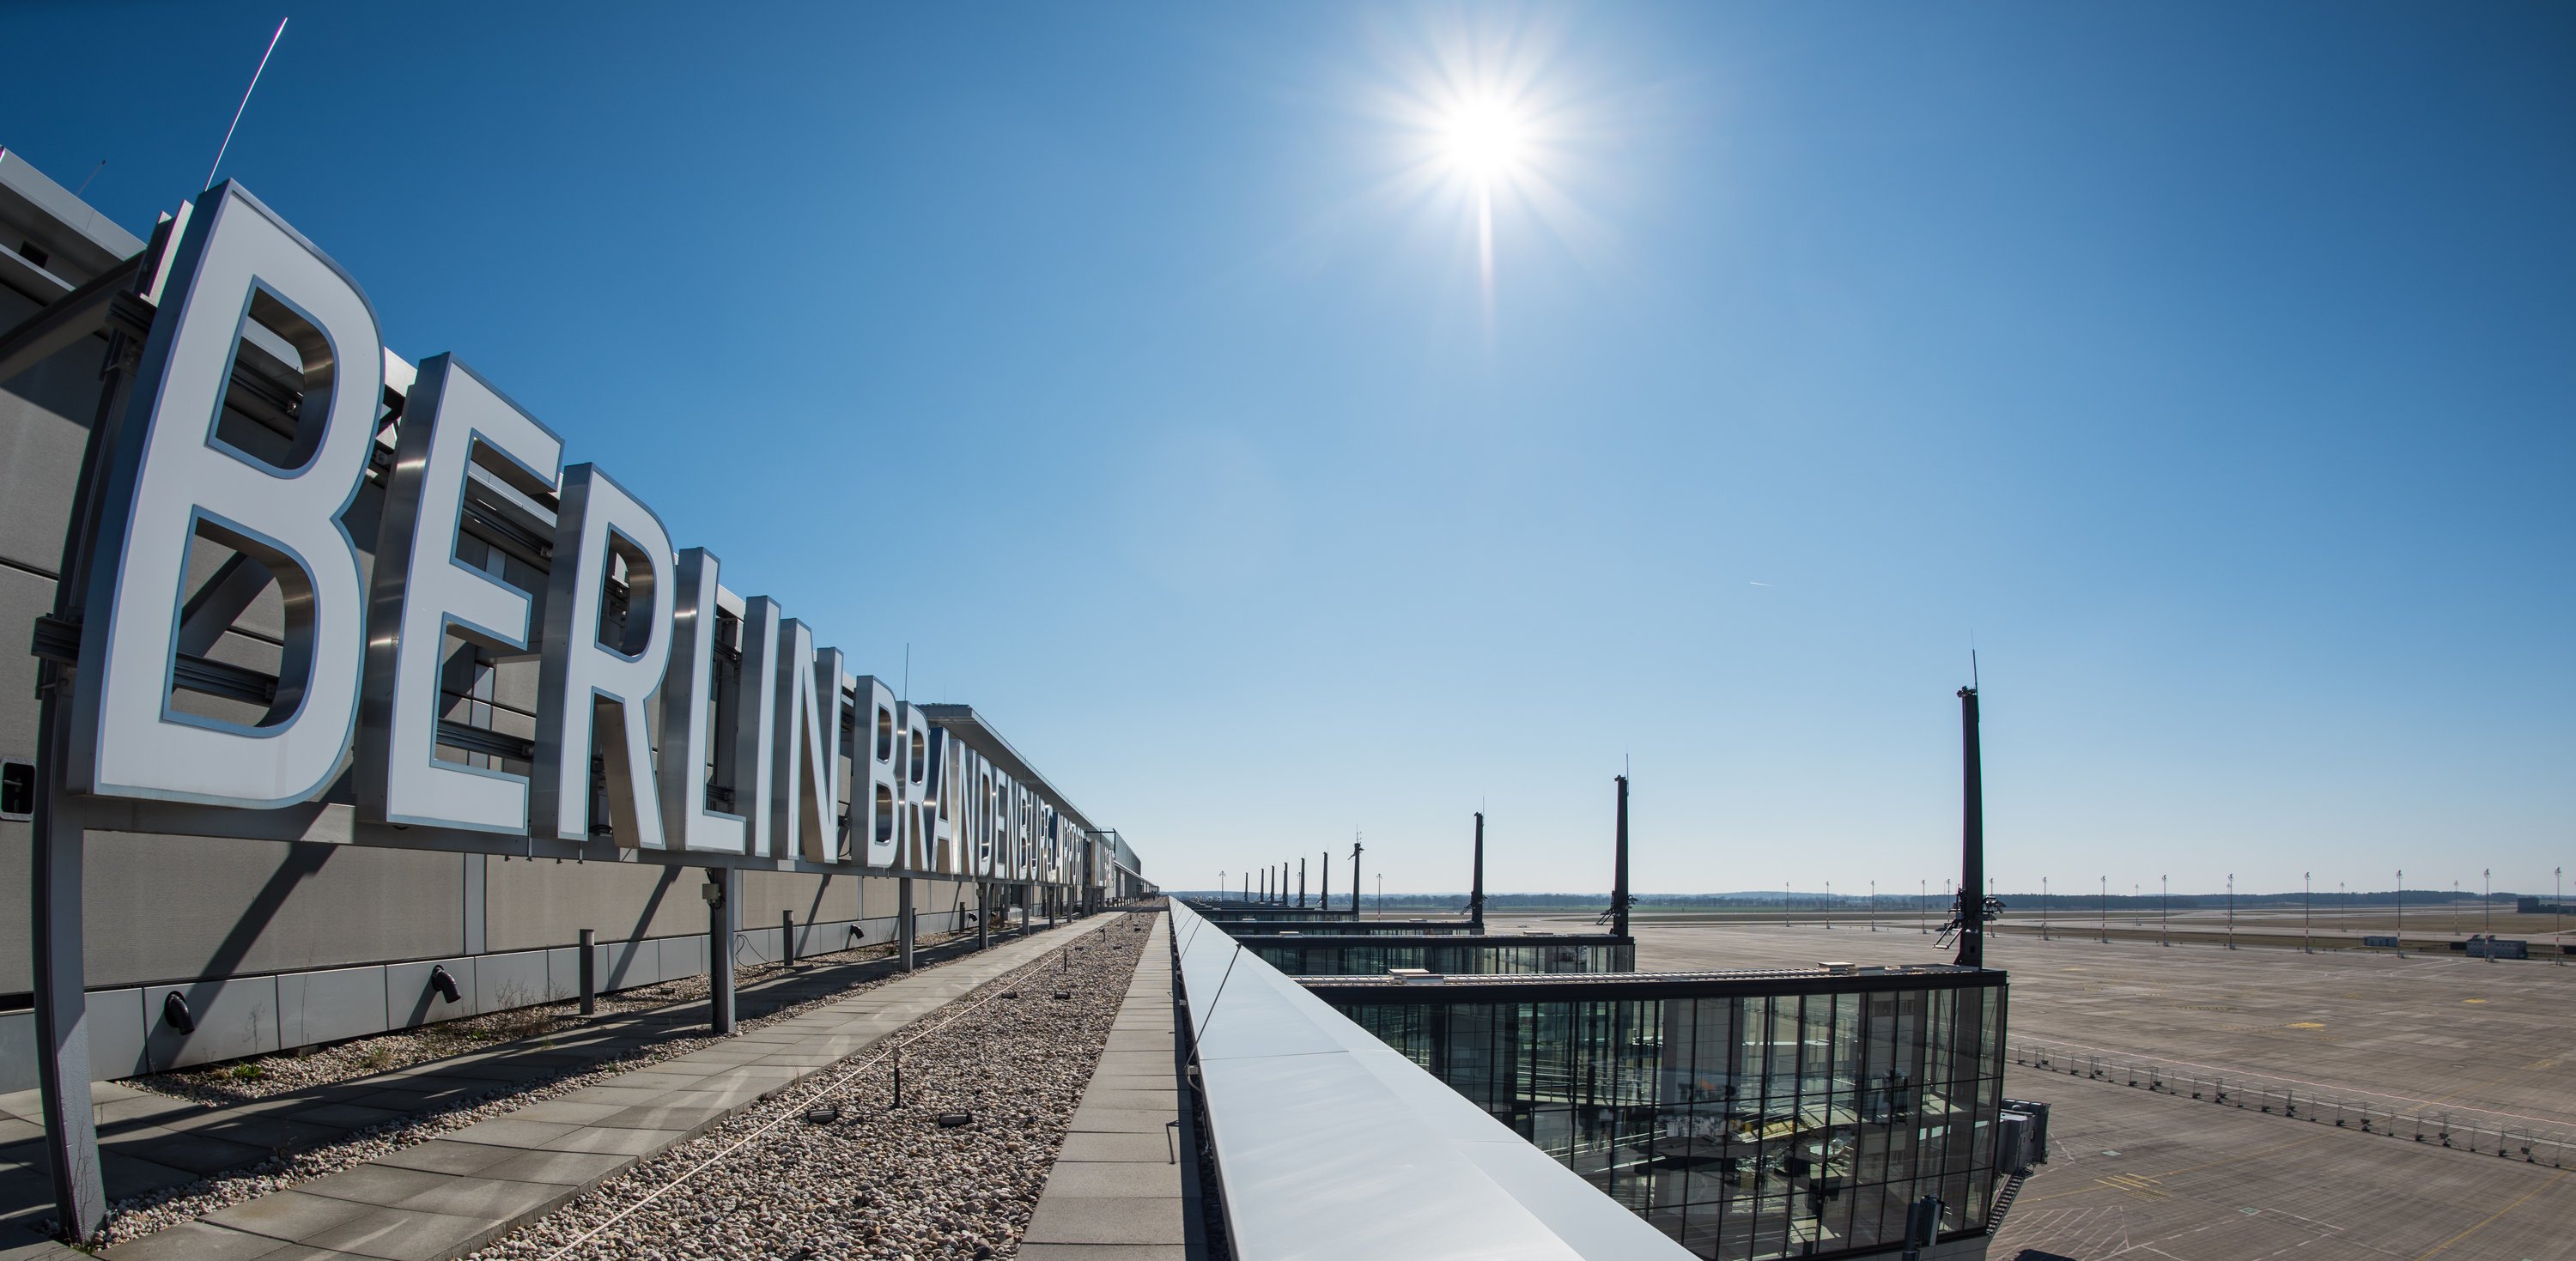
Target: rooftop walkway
x=1115, y=1191
x=454, y=1193
x=150, y=1141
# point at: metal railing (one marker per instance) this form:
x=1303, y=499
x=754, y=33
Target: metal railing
x=2475, y=1130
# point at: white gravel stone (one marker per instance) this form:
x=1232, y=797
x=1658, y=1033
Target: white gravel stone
x=879, y=1182
x=137, y=1216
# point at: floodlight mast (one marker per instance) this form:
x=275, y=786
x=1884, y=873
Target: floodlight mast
x=1619, y=869
x=1972, y=837
x=1476, y=891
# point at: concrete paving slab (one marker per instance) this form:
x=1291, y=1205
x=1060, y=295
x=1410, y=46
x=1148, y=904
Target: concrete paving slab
x=126, y=1175
x=347, y=1116
x=573, y=1111
x=273, y=1134
x=287, y=1215
x=625, y=1096
x=572, y=1169
x=1087, y=1119
x=1118, y=1179
x=1102, y=1252
x=197, y=1241
x=385, y=1186
x=651, y=1118
x=396, y=1234
x=198, y=1153
x=1100, y=1146
x=506, y=1132
x=1070, y=1219
x=443, y=1155
x=638, y=1141
x=486, y=1198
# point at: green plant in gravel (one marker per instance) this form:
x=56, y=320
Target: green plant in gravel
x=246, y=1071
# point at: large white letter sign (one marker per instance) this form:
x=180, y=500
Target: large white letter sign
x=177, y=477
x=591, y=694
x=452, y=420
x=807, y=806
x=688, y=717
x=755, y=719
x=873, y=806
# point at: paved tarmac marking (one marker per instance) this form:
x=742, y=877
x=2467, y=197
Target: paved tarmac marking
x=2490, y=1220
x=2159, y=1177
x=2135, y=1184
x=2303, y=1081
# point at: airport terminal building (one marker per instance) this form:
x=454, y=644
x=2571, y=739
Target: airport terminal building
x=353, y=701
x=293, y=826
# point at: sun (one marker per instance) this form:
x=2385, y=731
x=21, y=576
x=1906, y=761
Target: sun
x=1485, y=140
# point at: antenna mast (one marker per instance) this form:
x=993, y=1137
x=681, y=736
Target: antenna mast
x=245, y=103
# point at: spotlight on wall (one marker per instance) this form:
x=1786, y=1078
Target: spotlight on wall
x=175, y=1013
x=445, y=985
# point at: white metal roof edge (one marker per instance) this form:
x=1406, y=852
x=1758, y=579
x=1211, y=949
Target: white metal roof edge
x=1331, y=1145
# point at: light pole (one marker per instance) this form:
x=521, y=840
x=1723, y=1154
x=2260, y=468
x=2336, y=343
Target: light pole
x=2137, y=907
x=2489, y=899
x=2305, y=898
x=2231, y=910
x=2558, y=910
x=2401, y=912
x=1829, y=906
x=2106, y=910
x=1922, y=891
x=1873, y=906
x=2455, y=908
x=2043, y=908
x=2164, y=911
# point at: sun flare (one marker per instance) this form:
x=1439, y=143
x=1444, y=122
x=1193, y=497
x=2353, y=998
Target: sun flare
x=1484, y=140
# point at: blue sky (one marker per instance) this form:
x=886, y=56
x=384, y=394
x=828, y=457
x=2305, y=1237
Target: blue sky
x=2210, y=367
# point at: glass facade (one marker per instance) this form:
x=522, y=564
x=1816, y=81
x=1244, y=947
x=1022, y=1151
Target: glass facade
x=1464, y=956
x=1258, y=923
x=1784, y=1118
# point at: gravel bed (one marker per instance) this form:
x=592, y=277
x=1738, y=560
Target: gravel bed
x=137, y=1216
x=283, y=1072
x=873, y=1180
